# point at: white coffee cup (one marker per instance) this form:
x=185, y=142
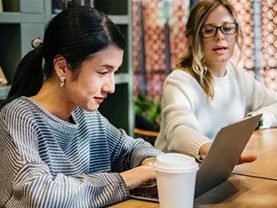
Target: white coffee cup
x=176, y=175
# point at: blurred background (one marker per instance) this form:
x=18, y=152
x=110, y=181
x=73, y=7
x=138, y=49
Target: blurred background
x=158, y=34
x=159, y=39
x=155, y=34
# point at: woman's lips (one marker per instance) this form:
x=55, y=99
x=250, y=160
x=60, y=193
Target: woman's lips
x=220, y=50
x=99, y=99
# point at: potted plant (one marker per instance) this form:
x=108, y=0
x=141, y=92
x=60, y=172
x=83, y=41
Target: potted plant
x=147, y=117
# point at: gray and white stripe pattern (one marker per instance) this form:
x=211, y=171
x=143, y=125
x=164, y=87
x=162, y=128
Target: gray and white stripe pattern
x=47, y=162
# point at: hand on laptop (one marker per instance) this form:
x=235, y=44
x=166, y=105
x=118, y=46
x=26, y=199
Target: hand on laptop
x=204, y=149
x=138, y=176
x=246, y=159
x=149, y=161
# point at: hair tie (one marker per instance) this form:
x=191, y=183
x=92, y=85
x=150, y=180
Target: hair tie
x=36, y=42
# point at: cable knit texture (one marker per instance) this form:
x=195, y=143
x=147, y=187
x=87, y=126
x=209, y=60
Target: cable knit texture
x=189, y=119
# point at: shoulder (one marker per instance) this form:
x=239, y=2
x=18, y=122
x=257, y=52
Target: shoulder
x=237, y=71
x=245, y=79
x=180, y=75
x=181, y=79
x=20, y=108
x=181, y=87
x=20, y=119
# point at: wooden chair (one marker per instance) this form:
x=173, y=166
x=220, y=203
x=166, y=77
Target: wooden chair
x=149, y=136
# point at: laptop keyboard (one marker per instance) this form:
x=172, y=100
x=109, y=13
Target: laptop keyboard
x=147, y=191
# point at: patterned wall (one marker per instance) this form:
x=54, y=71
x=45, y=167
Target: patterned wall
x=269, y=42
x=247, y=25
x=159, y=39
x=149, y=67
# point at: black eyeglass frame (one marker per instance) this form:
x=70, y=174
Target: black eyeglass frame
x=221, y=28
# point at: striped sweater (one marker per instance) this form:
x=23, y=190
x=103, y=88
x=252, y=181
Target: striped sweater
x=47, y=162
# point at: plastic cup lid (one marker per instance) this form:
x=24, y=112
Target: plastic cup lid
x=175, y=162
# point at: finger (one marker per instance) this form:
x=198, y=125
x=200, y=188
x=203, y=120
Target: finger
x=149, y=161
x=247, y=159
x=149, y=164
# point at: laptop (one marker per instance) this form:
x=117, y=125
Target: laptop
x=221, y=159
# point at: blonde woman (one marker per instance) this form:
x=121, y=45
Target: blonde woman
x=207, y=91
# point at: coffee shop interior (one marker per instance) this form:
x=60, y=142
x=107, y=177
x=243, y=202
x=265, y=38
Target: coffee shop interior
x=155, y=33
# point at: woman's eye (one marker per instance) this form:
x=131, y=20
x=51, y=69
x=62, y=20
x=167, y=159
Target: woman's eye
x=103, y=73
x=208, y=30
x=227, y=28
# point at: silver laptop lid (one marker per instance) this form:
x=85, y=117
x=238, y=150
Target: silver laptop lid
x=224, y=154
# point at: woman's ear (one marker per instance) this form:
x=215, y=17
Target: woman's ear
x=60, y=66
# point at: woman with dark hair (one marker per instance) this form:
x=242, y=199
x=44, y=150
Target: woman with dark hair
x=208, y=91
x=57, y=150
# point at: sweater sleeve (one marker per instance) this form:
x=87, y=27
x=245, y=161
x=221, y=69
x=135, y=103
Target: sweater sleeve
x=260, y=99
x=180, y=129
x=127, y=152
x=27, y=182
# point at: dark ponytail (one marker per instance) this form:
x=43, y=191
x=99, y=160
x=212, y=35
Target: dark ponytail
x=28, y=78
x=75, y=33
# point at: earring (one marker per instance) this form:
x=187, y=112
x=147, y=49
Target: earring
x=62, y=82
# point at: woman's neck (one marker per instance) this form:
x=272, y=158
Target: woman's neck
x=218, y=70
x=52, y=99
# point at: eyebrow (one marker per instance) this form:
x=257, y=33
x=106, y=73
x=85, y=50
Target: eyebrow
x=226, y=22
x=109, y=67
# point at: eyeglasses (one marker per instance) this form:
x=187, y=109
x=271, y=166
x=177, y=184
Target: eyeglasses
x=208, y=31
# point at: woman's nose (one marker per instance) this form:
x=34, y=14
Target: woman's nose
x=109, y=85
x=219, y=34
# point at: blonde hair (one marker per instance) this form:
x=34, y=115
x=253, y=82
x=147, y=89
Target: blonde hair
x=193, y=61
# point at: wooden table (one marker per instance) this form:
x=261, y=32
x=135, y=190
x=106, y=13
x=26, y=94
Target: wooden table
x=263, y=143
x=254, y=187
x=240, y=192
x=237, y=192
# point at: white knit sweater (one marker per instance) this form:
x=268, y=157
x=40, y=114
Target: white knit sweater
x=189, y=119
